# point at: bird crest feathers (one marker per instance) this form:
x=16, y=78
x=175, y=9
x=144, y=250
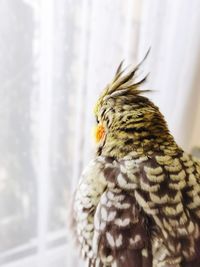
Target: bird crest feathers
x=124, y=83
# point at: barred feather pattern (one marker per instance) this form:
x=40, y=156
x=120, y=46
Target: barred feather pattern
x=140, y=211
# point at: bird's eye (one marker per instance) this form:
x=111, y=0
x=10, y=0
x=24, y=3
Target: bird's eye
x=97, y=120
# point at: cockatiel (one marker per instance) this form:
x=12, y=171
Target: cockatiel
x=138, y=201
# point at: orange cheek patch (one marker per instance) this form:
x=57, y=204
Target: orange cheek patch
x=99, y=132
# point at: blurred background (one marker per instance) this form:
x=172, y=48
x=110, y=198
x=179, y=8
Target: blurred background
x=55, y=58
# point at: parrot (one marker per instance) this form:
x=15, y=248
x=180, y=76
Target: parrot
x=137, y=203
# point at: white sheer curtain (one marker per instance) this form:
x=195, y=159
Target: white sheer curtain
x=56, y=56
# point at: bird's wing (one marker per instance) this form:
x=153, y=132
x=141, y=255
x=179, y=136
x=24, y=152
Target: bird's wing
x=121, y=235
x=192, y=202
x=91, y=186
x=111, y=211
x=110, y=227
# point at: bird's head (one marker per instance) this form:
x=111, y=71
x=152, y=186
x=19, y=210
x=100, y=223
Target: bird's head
x=128, y=122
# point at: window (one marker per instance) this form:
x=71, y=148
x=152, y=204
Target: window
x=56, y=57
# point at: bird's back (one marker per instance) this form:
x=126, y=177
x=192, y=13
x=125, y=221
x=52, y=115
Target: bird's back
x=143, y=211
x=170, y=196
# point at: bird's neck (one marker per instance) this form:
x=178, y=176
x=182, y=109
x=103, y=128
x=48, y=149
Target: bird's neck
x=140, y=144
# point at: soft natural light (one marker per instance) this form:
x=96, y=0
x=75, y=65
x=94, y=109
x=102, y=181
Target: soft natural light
x=56, y=57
